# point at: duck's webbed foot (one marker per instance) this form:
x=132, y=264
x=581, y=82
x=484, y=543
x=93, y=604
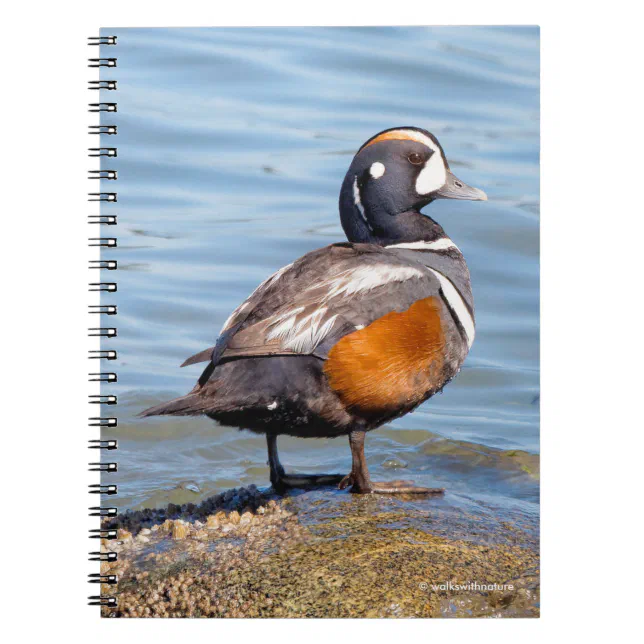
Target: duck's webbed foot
x=281, y=481
x=361, y=483
x=289, y=481
x=360, y=486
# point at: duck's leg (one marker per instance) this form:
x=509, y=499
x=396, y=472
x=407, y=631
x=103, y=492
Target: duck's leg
x=361, y=482
x=282, y=481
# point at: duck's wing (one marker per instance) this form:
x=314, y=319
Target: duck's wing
x=308, y=306
x=266, y=293
x=267, y=298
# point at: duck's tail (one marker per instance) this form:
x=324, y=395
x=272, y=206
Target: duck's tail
x=189, y=405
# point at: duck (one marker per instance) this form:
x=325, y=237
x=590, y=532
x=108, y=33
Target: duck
x=353, y=335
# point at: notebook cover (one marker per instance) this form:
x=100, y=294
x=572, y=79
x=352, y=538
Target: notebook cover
x=226, y=154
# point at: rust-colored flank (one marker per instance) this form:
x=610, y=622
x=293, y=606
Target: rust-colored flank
x=394, y=361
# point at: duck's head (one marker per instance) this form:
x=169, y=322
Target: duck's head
x=392, y=176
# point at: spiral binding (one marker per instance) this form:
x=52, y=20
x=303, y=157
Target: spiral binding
x=105, y=243
x=102, y=107
x=103, y=196
x=102, y=332
x=109, y=490
x=103, y=84
x=103, y=129
x=108, y=220
x=102, y=152
x=103, y=556
x=102, y=62
x=107, y=264
x=110, y=175
x=101, y=40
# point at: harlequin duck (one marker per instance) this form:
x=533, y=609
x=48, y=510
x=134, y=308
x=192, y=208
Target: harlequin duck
x=353, y=335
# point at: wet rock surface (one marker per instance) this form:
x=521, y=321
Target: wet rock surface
x=249, y=553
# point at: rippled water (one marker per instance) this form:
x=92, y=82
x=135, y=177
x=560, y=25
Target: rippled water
x=232, y=145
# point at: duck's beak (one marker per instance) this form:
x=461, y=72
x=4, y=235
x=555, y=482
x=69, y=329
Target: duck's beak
x=456, y=189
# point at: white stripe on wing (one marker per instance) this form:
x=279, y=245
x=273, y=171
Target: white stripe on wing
x=444, y=243
x=303, y=334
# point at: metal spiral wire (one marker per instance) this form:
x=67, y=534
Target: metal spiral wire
x=107, y=201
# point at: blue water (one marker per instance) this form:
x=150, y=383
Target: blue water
x=232, y=145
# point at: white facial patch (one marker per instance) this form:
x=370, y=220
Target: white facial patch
x=433, y=175
x=376, y=170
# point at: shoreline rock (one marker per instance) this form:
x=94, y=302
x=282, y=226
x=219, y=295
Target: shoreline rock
x=246, y=553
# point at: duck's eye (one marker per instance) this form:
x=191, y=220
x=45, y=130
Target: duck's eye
x=415, y=158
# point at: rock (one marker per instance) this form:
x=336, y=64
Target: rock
x=145, y=532
x=394, y=463
x=179, y=530
x=255, y=573
x=124, y=535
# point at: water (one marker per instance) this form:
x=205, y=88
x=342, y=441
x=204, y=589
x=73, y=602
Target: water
x=232, y=145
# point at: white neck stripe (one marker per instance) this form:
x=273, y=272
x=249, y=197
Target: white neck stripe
x=358, y=202
x=456, y=302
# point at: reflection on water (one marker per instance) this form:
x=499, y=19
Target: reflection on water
x=232, y=148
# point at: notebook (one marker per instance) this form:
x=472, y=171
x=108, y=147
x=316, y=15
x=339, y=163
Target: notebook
x=315, y=300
